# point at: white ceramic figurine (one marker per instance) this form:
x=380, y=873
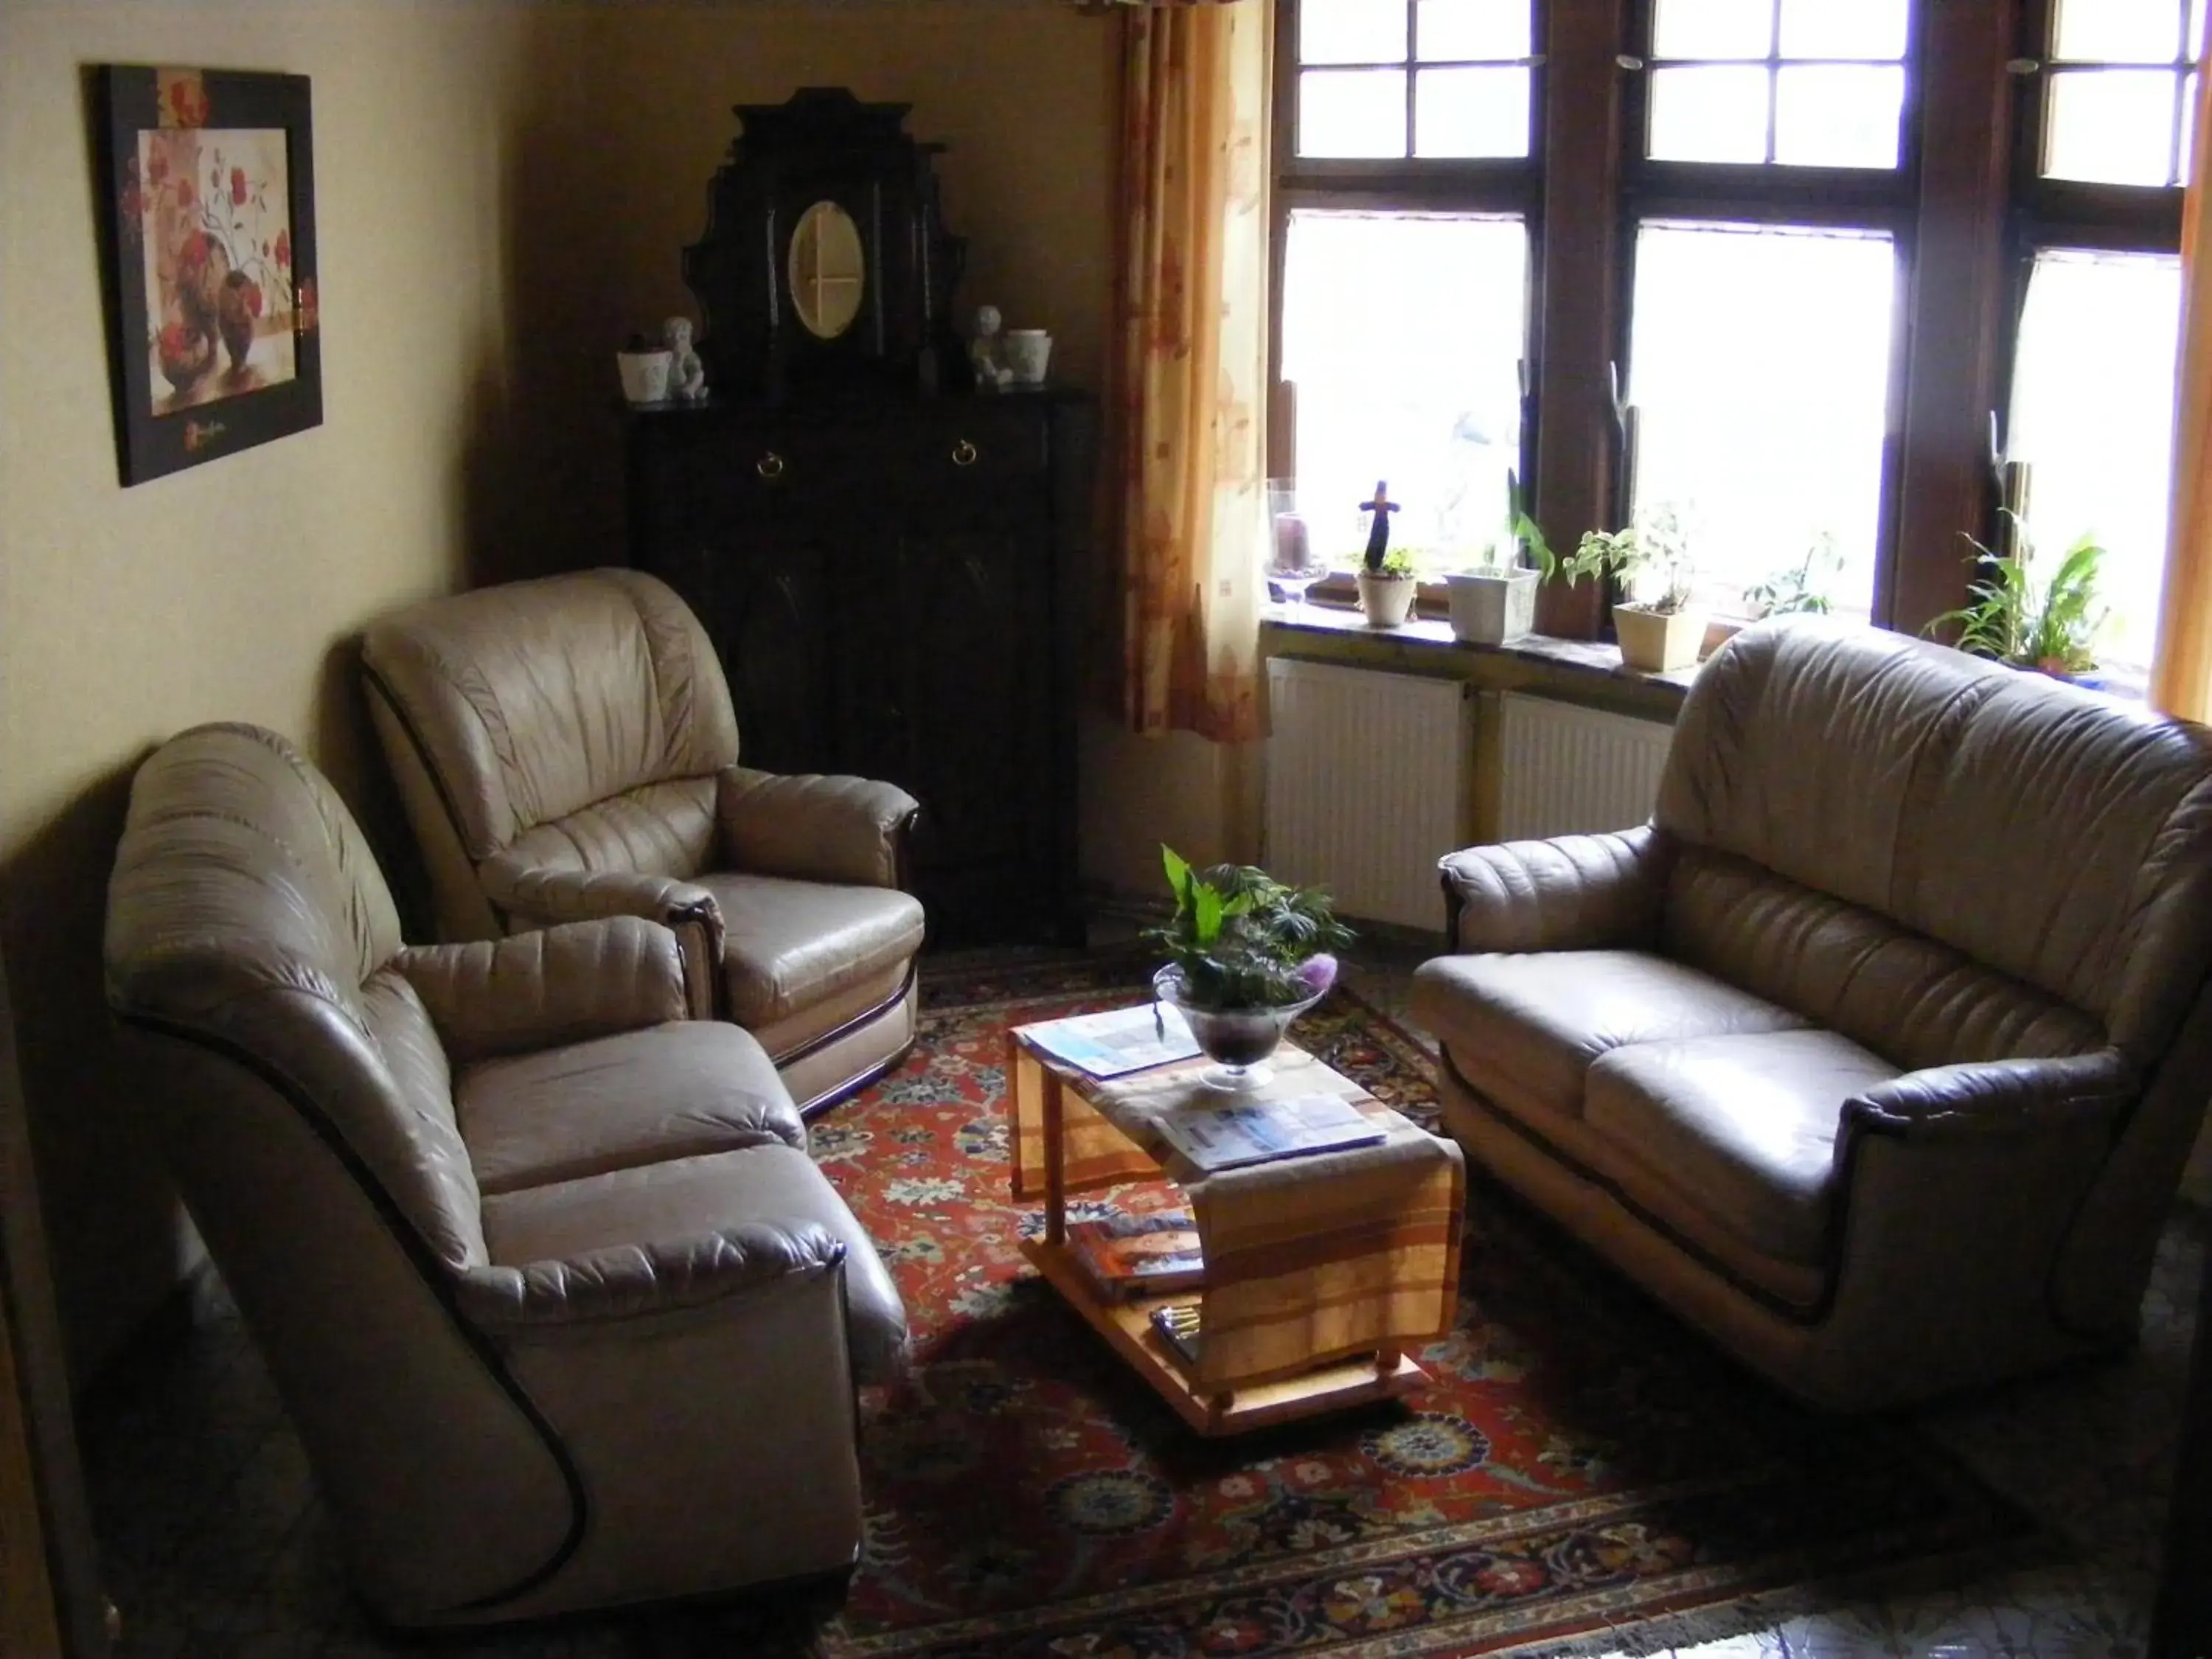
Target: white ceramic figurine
x=687, y=375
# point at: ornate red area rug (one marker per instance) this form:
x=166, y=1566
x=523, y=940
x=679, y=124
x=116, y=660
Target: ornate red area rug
x=1577, y=1466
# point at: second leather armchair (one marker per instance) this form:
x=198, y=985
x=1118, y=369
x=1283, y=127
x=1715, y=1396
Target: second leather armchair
x=567, y=748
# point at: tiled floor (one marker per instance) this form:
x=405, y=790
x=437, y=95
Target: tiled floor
x=212, y=1546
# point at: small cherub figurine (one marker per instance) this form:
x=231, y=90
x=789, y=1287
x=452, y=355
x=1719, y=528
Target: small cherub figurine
x=991, y=372
x=687, y=375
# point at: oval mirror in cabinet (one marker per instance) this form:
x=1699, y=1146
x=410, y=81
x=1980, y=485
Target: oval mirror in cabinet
x=827, y=271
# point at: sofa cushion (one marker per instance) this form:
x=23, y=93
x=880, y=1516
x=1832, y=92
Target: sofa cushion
x=1534, y=1022
x=787, y=946
x=667, y=1091
x=687, y=1197
x=1739, y=1132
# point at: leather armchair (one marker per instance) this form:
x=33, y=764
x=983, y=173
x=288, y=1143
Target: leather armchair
x=1877, y=1053
x=545, y=1278
x=566, y=748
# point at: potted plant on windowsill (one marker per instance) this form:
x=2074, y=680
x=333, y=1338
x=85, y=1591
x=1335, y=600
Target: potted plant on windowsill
x=1387, y=583
x=1247, y=955
x=1494, y=602
x=1799, y=589
x=2049, y=626
x=1658, y=630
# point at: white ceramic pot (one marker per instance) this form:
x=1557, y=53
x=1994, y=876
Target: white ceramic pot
x=645, y=375
x=1491, y=607
x=1658, y=642
x=1029, y=353
x=1386, y=600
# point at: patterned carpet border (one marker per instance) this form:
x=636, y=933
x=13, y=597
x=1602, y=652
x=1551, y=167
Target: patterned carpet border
x=1598, y=1481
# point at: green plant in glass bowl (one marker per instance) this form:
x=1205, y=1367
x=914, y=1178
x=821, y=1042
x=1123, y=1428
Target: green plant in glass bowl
x=1247, y=955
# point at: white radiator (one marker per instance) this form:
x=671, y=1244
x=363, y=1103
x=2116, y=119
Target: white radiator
x=1367, y=785
x=1565, y=770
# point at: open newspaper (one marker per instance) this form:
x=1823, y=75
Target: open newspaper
x=1117, y=1041
x=1221, y=1136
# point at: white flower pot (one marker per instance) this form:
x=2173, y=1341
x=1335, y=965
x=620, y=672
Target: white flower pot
x=645, y=375
x=1658, y=642
x=1386, y=600
x=1491, y=607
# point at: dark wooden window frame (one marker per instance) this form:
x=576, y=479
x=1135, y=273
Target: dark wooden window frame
x=1964, y=205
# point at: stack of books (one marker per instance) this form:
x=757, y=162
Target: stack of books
x=1178, y=1325
x=1126, y=1256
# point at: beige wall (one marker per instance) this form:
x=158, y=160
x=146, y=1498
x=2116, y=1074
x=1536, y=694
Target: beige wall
x=502, y=189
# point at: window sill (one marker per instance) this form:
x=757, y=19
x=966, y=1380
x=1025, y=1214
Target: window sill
x=1288, y=623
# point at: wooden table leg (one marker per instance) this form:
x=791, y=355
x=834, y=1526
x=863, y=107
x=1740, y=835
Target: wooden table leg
x=1055, y=1159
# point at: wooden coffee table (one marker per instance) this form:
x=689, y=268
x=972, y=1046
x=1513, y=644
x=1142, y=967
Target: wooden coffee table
x=1321, y=1270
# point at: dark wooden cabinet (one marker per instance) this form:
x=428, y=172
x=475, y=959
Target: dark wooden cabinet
x=887, y=580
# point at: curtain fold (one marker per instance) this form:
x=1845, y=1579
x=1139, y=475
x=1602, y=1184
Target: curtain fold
x=1190, y=364
x=2181, y=671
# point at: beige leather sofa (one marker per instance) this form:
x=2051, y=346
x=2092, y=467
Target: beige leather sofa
x=562, y=1310
x=1878, y=1053
x=566, y=748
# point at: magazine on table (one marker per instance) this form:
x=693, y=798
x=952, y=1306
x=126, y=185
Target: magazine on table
x=1223, y=1135
x=1128, y=1255
x=1117, y=1041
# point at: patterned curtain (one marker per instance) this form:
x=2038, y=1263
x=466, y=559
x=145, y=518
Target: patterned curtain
x=2181, y=672
x=1190, y=363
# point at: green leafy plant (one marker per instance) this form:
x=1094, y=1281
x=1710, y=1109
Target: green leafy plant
x=1651, y=553
x=2050, y=624
x=1396, y=561
x=1799, y=588
x=1520, y=534
x=1243, y=939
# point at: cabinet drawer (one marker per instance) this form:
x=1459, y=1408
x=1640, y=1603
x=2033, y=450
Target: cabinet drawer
x=966, y=452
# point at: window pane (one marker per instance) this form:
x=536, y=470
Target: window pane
x=1451, y=29
x=1713, y=28
x=1404, y=334
x=1471, y=112
x=1842, y=28
x=1760, y=374
x=1709, y=114
x=1351, y=113
x=1351, y=31
x=2092, y=416
x=2111, y=126
x=1838, y=116
x=2119, y=31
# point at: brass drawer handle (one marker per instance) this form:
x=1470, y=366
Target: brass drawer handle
x=964, y=453
x=770, y=466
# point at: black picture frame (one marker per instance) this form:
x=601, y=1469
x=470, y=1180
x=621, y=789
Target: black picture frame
x=207, y=217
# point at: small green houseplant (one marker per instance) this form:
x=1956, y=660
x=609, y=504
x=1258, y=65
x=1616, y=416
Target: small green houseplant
x=1659, y=630
x=1247, y=955
x=1387, y=583
x=1799, y=589
x=1495, y=601
x=2049, y=625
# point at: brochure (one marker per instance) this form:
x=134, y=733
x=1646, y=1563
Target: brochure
x=1131, y=1256
x=1117, y=1041
x=1222, y=1136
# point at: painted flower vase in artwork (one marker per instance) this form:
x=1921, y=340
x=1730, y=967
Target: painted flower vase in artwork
x=238, y=309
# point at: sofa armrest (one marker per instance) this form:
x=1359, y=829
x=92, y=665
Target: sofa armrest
x=634, y=1281
x=565, y=984
x=1569, y=893
x=541, y=895
x=814, y=827
x=1997, y=1098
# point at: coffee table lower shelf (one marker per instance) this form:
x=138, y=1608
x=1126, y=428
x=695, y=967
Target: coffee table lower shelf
x=1128, y=1326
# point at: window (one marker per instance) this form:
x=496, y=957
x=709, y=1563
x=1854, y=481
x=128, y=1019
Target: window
x=2104, y=146
x=1428, y=78
x=1799, y=83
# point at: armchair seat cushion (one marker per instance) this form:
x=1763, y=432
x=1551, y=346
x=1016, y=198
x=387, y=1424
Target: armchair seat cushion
x=685, y=1197
x=1531, y=1025
x=1734, y=1132
x=788, y=946
x=669, y=1091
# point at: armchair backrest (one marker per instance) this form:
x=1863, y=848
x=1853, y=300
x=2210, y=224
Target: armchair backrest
x=535, y=699
x=2057, y=837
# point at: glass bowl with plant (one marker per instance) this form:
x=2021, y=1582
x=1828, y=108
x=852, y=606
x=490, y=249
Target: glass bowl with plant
x=1247, y=955
x=2051, y=624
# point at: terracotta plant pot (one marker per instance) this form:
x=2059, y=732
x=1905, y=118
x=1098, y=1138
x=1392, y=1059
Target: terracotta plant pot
x=1386, y=600
x=1491, y=607
x=1658, y=642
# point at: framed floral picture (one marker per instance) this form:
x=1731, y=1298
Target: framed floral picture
x=208, y=182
